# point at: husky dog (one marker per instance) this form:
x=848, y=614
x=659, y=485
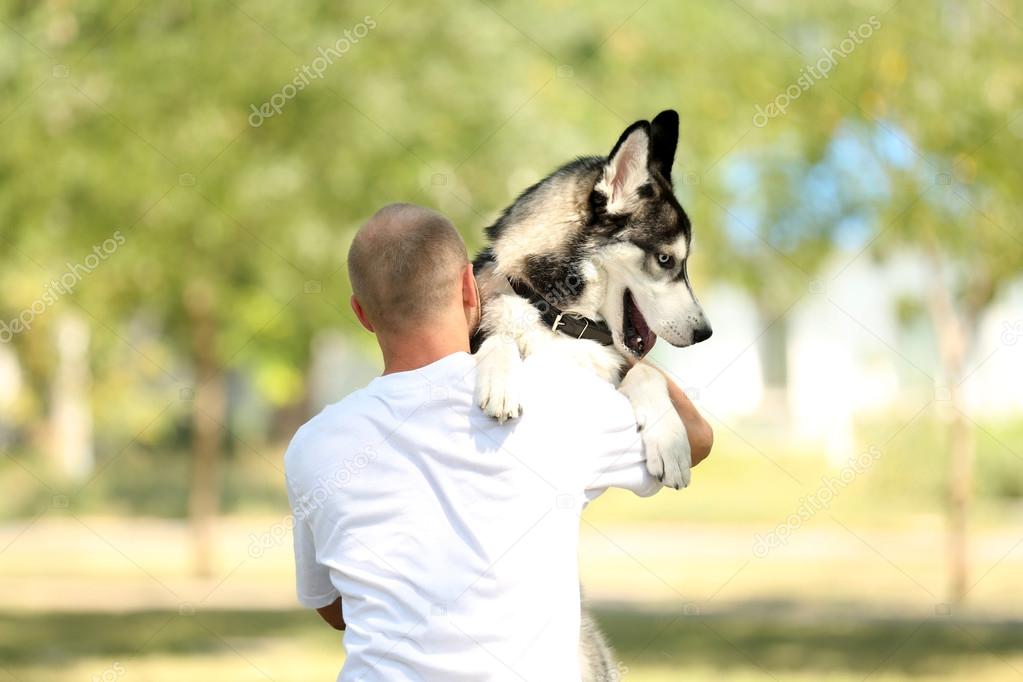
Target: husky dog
x=591, y=262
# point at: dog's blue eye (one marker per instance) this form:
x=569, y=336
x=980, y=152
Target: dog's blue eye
x=665, y=261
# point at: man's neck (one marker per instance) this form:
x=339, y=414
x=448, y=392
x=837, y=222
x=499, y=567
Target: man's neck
x=420, y=348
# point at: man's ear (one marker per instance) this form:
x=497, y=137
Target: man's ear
x=470, y=298
x=361, y=314
x=663, y=141
x=626, y=169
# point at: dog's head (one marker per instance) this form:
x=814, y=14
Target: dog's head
x=648, y=236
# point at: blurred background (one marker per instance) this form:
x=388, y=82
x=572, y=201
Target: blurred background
x=179, y=182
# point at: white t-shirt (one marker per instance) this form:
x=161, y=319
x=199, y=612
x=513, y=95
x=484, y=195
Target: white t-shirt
x=451, y=538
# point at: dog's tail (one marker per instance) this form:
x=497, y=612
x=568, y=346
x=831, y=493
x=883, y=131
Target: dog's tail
x=595, y=655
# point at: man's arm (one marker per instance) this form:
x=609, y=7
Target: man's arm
x=700, y=432
x=312, y=579
x=332, y=614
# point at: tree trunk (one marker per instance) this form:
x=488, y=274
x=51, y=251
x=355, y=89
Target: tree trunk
x=70, y=442
x=208, y=414
x=959, y=495
x=11, y=386
x=772, y=348
x=953, y=337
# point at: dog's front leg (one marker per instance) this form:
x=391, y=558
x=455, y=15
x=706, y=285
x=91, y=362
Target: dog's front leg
x=498, y=364
x=668, y=456
x=509, y=323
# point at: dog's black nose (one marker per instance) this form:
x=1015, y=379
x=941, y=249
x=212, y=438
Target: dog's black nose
x=702, y=333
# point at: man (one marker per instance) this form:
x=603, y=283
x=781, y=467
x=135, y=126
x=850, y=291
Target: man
x=450, y=539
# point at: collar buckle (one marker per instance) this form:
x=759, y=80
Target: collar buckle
x=569, y=324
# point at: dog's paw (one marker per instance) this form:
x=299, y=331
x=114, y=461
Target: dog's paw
x=665, y=441
x=668, y=456
x=497, y=380
x=498, y=396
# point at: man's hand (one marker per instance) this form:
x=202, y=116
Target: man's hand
x=332, y=614
x=666, y=444
x=700, y=432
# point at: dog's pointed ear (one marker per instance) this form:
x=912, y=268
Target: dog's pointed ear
x=663, y=141
x=627, y=168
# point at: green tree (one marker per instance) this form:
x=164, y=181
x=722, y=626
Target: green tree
x=951, y=100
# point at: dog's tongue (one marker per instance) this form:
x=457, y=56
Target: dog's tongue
x=644, y=338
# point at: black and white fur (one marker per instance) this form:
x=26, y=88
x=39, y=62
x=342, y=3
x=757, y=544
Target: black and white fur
x=606, y=239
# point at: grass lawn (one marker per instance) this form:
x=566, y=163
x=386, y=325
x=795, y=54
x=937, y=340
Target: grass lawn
x=852, y=595
x=745, y=644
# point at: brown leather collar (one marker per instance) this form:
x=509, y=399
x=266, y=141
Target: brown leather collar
x=569, y=324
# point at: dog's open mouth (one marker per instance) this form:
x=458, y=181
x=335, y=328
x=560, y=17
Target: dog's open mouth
x=635, y=331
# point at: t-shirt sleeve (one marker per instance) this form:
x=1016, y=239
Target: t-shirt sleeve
x=615, y=455
x=312, y=579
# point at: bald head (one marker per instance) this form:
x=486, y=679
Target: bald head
x=405, y=266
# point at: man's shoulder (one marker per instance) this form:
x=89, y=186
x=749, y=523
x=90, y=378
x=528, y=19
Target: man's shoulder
x=554, y=377
x=345, y=419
